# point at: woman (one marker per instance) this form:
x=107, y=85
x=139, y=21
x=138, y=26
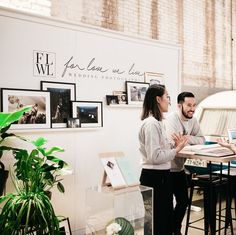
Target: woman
x=225, y=143
x=156, y=156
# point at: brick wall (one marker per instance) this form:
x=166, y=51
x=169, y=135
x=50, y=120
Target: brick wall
x=42, y=7
x=203, y=28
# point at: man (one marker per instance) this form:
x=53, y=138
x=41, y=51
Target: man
x=182, y=122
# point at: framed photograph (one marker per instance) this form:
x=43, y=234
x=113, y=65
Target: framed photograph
x=112, y=99
x=73, y=123
x=122, y=96
x=89, y=113
x=65, y=228
x=154, y=78
x=38, y=117
x=61, y=96
x=136, y=92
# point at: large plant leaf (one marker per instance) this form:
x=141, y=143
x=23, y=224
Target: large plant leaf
x=39, y=142
x=60, y=187
x=54, y=150
x=7, y=119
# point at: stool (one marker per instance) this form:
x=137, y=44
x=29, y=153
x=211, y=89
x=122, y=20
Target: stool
x=211, y=189
x=232, y=182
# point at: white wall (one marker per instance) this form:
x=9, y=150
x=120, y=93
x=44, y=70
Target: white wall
x=21, y=35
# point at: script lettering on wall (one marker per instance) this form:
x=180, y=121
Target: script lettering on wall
x=44, y=64
x=93, y=69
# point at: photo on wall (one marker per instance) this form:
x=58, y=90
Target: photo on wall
x=89, y=113
x=136, y=92
x=122, y=96
x=73, y=123
x=112, y=99
x=61, y=96
x=154, y=78
x=38, y=117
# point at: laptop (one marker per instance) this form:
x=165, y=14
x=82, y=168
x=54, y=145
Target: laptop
x=232, y=136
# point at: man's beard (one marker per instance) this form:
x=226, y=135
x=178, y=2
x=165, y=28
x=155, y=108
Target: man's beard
x=185, y=114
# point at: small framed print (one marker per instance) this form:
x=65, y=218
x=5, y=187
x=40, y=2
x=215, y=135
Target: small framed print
x=136, y=92
x=65, y=228
x=122, y=97
x=73, y=123
x=89, y=112
x=38, y=117
x=61, y=96
x=112, y=99
x=154, y=78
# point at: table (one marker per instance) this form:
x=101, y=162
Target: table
x=221, y=160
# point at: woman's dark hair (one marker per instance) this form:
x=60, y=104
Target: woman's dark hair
x=150, y=105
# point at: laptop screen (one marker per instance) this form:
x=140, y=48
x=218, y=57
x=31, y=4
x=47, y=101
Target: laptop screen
x=232, y=136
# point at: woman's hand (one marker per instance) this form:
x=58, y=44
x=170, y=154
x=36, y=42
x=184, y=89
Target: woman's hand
x=177, y=138
x=225, y=143
x=180, y=141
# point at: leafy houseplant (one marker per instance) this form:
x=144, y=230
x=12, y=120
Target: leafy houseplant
x=29, y=209
x=6, y=119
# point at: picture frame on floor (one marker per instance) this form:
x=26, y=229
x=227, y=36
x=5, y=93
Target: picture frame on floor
x=40, y=114
x=61, y=96
x=65, y=228
x=90, y=113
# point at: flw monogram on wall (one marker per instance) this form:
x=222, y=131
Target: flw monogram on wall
x=44, y=64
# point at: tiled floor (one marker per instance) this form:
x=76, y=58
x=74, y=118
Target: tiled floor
x=198, y=214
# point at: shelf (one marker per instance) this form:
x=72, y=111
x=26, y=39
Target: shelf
x=124, y=106
x=55, y=130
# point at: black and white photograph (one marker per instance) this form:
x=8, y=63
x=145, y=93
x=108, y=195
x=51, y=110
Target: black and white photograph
x=65, y=228
x=112, y=99
x=110, y=164
x=73, y=123
x=154, y=78
x=89, y=113
x=122, y=96
x=61, y=96
x=37, y=117
x=136, y=92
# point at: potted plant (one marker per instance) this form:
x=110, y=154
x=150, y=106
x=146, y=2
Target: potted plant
x=6, y=119
x=29, y=209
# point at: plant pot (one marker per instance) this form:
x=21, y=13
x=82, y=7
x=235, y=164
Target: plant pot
x=3, y=178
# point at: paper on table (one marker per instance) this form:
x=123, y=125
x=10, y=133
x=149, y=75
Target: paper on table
x=215, y=152
x=197, y=147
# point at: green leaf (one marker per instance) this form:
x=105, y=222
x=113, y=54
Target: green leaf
x=47, y=168
x=3, y=130
x=39, y=142
x=60, y=187
x=53, y=150
x=7, y=119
